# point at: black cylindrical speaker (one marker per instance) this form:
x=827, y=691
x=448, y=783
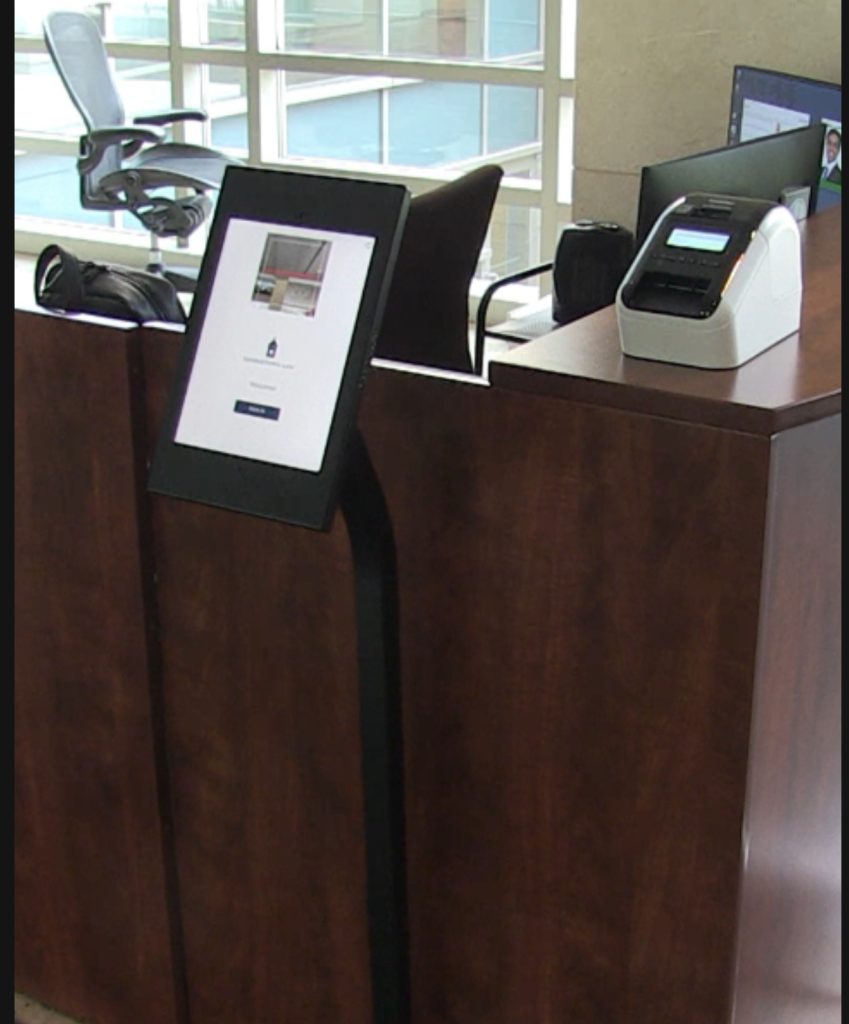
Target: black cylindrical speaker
x=591, y=259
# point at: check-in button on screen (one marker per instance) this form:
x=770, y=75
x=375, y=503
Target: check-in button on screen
x=266, y=412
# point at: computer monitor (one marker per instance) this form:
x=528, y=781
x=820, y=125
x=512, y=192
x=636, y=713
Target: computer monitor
x=764, y=102
x=758, y=169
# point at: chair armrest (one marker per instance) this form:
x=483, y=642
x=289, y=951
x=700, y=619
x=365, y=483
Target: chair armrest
x=483, y=307
x=124, y=133
x=131, y=140
x=164, y=117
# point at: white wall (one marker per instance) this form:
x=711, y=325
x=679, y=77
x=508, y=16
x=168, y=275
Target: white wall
x=653, y=81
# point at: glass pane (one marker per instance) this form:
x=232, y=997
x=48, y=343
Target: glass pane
x=448, y=29
x=512, y=243
x=408, y=123
x=29, y=14
x=221, y=92
x=332, y=26
x=225, y=23
x=514, y=29
x=42, y=103
x=145, y=86
x=512, y=117
x=124, y=20
x=227, y=107
x=434, y=123
x=133, y=20
x=525, y=166
x=49, y=186
x=439, y=29
x=41, y=100
x=341, y=128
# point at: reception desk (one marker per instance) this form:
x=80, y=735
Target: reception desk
x=619, y=597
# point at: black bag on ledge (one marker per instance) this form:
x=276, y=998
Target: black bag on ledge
x=64, y=282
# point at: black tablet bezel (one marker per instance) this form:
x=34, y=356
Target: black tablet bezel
x=287, y=198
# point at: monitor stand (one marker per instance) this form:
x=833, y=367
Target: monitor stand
x=369, y=527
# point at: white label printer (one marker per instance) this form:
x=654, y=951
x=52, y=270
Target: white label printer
x=717, y=280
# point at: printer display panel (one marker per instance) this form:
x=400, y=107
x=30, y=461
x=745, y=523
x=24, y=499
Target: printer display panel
x=700, y=241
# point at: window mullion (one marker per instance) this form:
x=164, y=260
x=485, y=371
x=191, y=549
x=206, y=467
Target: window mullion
x=484, y=117
x=550, y=127
x=257, y=28
x=383, y=127
x=177, y=40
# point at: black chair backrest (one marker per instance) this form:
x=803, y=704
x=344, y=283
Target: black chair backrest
x=426, y=320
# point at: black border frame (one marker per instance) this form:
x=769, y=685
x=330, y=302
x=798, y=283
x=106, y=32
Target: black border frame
x=323, y=202
x=703, y=172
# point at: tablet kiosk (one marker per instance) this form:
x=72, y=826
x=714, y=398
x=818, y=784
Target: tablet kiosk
x=284, y=321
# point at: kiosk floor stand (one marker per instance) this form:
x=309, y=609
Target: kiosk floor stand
x=369, y=528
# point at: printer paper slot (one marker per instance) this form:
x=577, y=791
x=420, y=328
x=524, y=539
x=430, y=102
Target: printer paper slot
x=662, y=292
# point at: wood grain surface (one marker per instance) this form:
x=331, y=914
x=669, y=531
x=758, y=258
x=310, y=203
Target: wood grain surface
x=92, y=932
x=789, y=960
x=620, y=682
x=579, y=601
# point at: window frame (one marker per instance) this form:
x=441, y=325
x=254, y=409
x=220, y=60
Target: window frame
x=554, y=80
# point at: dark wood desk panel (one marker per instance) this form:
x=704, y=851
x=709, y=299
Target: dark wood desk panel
x=620, y=669
x=789, y=959
x=579, y=605
x=92, y=934
x=580, y=613
x=261, y=683
x=795, y=381
x=567, y=693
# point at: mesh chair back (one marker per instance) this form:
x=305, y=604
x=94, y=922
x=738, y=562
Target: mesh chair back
x=77, y=50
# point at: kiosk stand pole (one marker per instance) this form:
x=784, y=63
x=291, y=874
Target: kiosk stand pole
x=373, y=548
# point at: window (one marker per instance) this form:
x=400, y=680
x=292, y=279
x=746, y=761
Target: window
x=417, y=91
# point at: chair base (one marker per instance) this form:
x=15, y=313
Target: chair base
x=184, y=279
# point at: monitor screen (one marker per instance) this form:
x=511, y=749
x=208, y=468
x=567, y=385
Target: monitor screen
x=272, y=346
x=282, y=327
x=758, y=169
x=764, y=102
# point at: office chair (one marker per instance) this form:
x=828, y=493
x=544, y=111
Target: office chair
x=122, y=166
x=426, y=319
x=590, y=261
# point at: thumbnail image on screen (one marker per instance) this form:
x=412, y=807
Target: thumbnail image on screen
x=266, y=388
x=290, y=274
